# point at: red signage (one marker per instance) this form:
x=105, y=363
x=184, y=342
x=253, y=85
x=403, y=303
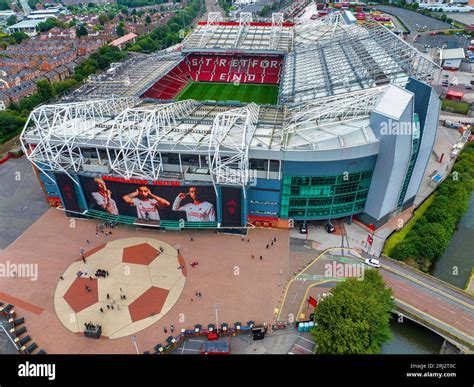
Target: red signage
x=372, y=227
x=370, y=239
x=312, y=301
x=141, y=181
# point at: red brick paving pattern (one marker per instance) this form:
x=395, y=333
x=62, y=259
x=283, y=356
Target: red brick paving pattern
x=78, y=298
x=142, y=254
x=252, y=294
x=7, y=299
x=148, y=303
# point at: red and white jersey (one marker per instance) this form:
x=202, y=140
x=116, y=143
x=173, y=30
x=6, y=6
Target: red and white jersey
x=202, y=212
x=146, y=209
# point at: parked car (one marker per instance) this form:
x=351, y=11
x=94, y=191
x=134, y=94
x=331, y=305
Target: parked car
x=372, y=262
x=468, y=87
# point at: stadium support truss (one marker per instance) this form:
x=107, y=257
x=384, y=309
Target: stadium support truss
x=314, y=116
x=231, y=134
x=57, y=127
x=244, y=23
x=277, y=26
x=132, y=145
x=213, y=20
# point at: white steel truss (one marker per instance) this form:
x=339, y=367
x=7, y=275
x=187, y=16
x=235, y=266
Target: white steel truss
x=244, y=22
x=56, y=129
x=132, y=145
x=277, y=26
x=231, y=134
x=355, y=58
x=213, y=20
x=309, y=117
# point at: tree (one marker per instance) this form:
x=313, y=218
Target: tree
x=11, y=20
x=103, y=18
x=45, y=91
x=148, y=19
x=18, y=37
x=120, y=29
x=355, y=319
x=82, y=31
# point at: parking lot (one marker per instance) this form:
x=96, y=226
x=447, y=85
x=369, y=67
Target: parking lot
x=21, y=199
x=412, y=19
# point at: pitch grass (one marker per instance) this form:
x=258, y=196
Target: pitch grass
x=204, y=91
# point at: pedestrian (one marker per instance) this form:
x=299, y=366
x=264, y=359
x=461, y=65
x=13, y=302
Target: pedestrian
x=199, y=294
x=96, y=234
x=108, y=296
x=61, y=278
x=192, y=239
x=272, y=243
x=268, y=246
x=120, y=290
x=248, y=240
x=108, y=306
x=192, y=300
x=83, y=259
x=112, y=307
x=172, y=328
x=165, y=330
x=101, y=310
x=90, y=278
x=253, y=256
x=261, y=258
x=81, y=250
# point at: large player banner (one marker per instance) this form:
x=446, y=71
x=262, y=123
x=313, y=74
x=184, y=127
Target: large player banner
x=231, y=207
x=149, y=202
x=66, y=187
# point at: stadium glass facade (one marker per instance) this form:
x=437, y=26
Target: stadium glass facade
x=323, y=197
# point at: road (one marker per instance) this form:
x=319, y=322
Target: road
x=411, y=19
x=211, y=6
x=442, y=306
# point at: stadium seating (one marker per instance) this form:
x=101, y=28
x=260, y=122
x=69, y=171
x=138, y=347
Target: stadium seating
x=226, y=68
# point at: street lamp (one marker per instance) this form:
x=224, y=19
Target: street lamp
x=217, y=316
x=134, y=340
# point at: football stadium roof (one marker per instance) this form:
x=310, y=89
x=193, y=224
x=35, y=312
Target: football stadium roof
x=333, y=79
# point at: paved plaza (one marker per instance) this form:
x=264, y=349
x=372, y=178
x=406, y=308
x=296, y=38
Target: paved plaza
x=229, y=280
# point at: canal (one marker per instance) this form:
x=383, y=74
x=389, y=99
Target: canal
x=454, y=267
x=456, y=263
x=411, y=338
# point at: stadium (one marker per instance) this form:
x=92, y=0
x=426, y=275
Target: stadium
x=248, y=123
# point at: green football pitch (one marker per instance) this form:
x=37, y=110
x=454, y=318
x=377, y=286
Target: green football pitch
x=203, y=91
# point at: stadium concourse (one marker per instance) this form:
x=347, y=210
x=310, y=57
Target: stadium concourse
x=238, y=293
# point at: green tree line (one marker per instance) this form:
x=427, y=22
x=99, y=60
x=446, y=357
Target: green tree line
x=432, y=232
x=170, y=33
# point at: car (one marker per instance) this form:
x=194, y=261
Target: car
x=445, y=75
x=468, y=87
x=372, y=262
x=329, y=228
